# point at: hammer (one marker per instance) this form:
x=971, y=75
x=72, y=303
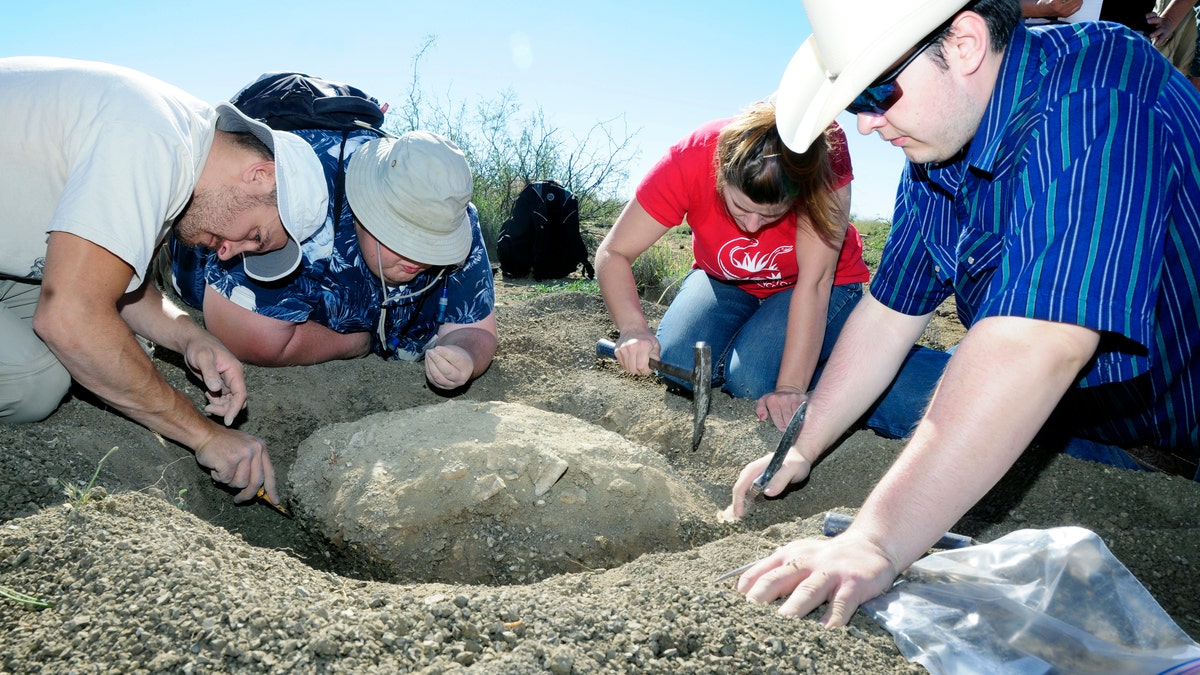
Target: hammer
x=700, y=376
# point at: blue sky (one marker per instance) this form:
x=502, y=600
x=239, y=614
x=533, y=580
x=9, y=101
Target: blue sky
x=667, y=66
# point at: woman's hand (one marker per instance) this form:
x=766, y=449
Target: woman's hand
x=448, y=366
x=634, y=351
x=780, y=405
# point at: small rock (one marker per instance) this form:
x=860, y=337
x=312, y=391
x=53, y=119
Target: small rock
x=550, y=469
x=561, y=662
x=487, y=487
x=454, y=471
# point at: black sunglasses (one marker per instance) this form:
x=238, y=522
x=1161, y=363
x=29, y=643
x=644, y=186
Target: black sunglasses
x=883, y=93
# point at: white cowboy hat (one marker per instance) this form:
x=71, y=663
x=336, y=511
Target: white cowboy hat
x=853, y=42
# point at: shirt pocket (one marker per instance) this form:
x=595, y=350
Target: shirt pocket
x=978, y=254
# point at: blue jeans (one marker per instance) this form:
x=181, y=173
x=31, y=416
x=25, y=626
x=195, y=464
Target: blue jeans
x=746, y=333
x=1097, y=451
x=898, y=411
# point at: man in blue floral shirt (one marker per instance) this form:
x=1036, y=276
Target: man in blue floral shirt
x=402, y=271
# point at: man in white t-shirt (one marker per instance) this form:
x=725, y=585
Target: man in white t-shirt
x=98, y=164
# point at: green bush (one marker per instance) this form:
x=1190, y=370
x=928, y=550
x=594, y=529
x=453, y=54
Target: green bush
x=508, y=149
x=874, y=234
x=659, y=271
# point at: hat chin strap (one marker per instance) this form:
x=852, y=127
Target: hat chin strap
x=383, y=280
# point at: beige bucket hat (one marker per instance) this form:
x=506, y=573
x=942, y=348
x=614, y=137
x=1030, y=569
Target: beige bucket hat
x=853, y=42
x=411, y=194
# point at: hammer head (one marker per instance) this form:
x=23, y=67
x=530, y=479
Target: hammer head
x=701, y=390
x=700, y=377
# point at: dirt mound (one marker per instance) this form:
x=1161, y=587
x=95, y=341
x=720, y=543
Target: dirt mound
x=490, y=492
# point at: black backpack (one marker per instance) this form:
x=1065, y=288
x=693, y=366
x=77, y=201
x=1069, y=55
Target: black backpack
x=542, y=235
x=291, y=101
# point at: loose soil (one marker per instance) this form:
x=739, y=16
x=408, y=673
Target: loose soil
x=161, y=572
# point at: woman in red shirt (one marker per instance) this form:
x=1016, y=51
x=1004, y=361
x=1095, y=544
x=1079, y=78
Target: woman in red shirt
x=778, y=266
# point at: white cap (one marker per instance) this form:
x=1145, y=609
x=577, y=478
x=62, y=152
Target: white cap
x=301, y=191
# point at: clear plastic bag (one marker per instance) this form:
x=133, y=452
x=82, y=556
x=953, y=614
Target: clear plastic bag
x=1034, y=601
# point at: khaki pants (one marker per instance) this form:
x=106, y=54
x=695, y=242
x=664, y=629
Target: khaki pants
x=1194, y=72
x=1180, y=48
x=32, y=380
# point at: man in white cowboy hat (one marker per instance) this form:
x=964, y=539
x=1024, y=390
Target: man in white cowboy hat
x=403, y=274
x=1052, y=189
x=100, y=162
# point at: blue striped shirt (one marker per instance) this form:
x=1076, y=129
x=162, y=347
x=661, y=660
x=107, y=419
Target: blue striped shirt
x=1077, y=201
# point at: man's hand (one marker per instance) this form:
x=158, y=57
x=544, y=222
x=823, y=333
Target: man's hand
x=634, y=351
x=240, y=461
x=845, y=572
x=780, y=405
x=221, y=372
x=1163, y=28
x=448, y=366
x=461, y=352
x=795, y=468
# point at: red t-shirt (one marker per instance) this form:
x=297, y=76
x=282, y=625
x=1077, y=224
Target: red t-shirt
x=683, y=185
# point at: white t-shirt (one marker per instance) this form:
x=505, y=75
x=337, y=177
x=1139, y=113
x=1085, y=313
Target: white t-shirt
x=103, y=152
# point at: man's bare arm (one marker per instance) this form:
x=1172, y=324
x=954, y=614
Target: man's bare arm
x=78, y=319
x=1000, y=387
x=266, y=341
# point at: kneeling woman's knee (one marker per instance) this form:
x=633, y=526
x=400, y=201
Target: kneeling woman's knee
x=31, y=395
x=749, y=380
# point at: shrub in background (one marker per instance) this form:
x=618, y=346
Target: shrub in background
x=508, y=148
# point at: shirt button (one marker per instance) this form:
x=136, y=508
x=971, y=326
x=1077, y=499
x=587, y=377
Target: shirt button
x=971, y=260
x=937, y=268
